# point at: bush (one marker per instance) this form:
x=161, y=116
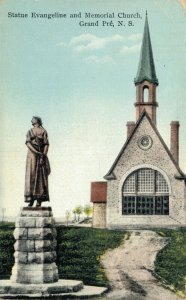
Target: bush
x=6, y=252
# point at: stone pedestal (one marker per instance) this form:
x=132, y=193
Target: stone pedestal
x=35, y=247
x=35, y=274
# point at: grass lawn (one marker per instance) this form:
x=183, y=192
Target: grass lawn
x=171, y=261
x=78, y=252
x=6, y=250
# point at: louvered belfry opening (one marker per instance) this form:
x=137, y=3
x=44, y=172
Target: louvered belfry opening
x=145, y=192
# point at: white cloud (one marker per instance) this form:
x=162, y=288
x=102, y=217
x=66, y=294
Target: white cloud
x=88, y=41
x=112, y=46
x=130, y=49
x=135, y=37
x=100, y=59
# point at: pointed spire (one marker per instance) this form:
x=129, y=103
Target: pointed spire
x=146, y=68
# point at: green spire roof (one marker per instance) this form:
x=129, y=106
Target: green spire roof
x=146, y=68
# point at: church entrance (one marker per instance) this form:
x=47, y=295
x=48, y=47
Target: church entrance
x=145, y=192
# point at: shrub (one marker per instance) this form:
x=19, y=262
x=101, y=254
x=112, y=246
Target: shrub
x=6, y=252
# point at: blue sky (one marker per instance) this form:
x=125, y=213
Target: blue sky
x=79, y=79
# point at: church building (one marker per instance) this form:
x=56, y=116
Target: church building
x=145, y=186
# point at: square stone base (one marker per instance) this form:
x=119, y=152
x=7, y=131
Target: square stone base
x=35, y=247
x=63, y=289
x=34, y=273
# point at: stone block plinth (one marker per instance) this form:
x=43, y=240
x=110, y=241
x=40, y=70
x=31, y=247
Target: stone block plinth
x=63, y=289
x=35, y=247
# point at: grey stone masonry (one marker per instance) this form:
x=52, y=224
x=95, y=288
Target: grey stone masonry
x=35, y=247
x=132, y=158
x=63, y=289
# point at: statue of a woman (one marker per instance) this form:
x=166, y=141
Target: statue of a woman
x=37, y=164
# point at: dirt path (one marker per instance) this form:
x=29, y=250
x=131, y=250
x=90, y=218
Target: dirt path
x=128, y=268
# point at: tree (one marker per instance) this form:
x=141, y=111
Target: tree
x=68, y=215
x=74, y=212
x=78, y=211
x=88, y=210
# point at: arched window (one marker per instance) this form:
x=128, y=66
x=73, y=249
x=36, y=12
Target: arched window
x=145, y=192
x=145, y=93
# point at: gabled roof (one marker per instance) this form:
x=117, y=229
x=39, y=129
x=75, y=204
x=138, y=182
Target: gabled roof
x=110, y=175
x=146, y=68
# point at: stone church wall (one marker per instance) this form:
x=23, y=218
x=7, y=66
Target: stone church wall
x=135, y=158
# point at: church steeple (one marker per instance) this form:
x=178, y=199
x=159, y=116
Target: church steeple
x=146, y=68
x=146, y=80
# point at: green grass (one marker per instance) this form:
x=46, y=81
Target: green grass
x=171, y=260
x=6, y=225
x=6, y=252
x=79, y=252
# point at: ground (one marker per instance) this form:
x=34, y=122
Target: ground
x=129, y=268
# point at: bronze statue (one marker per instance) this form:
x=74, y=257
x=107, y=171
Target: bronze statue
x=37, y=164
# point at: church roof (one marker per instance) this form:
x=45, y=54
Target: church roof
x=146, y=68
x=110, y=175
